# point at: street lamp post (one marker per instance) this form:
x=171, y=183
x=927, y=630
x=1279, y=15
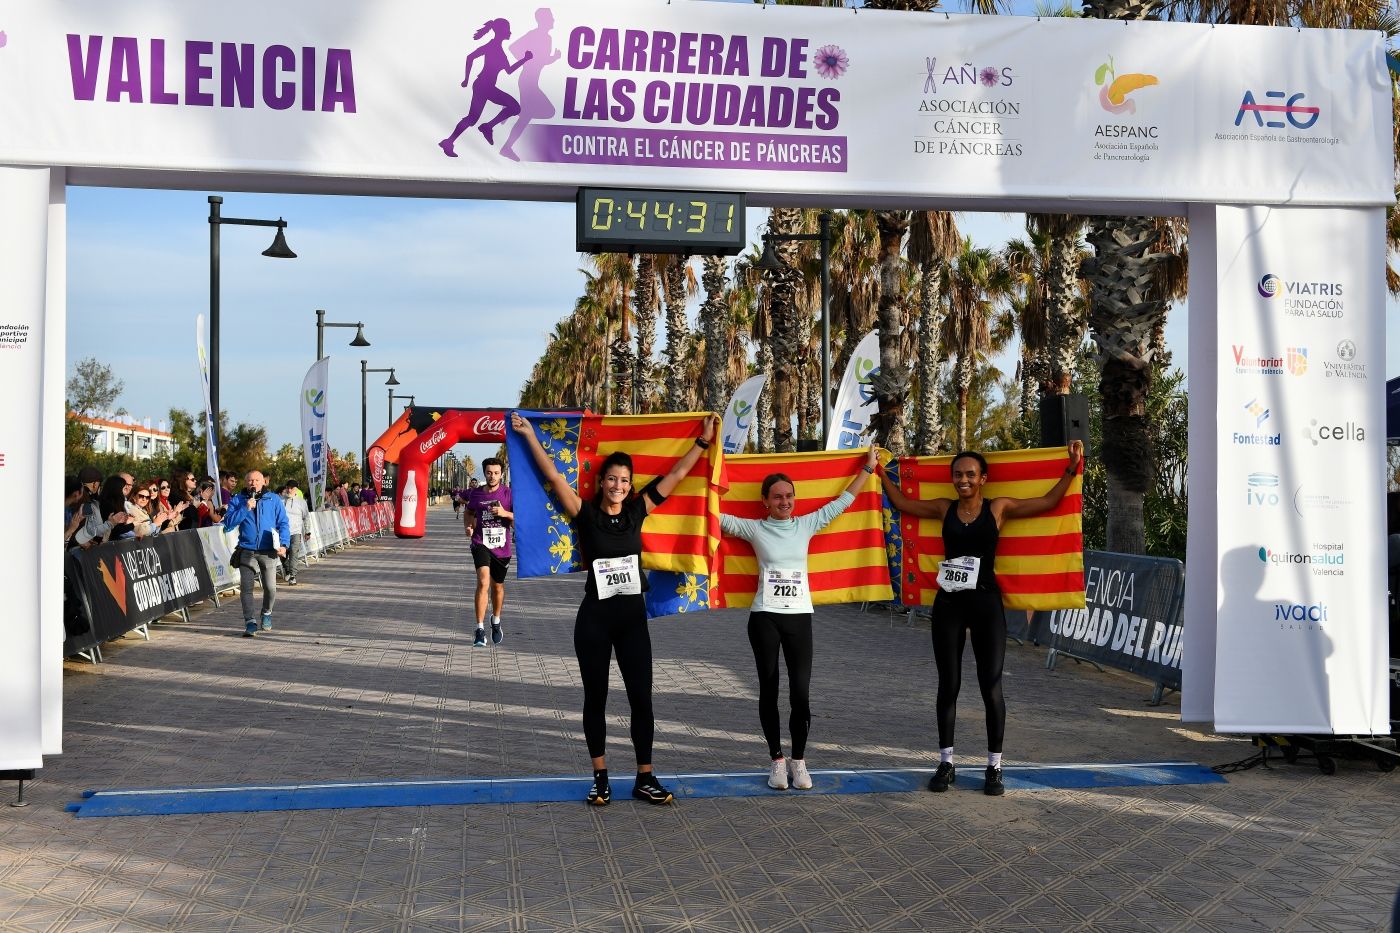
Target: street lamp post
x=393, y=396
x=322, y=324
x=769, y=262
x=365, y=370
x=278, y=250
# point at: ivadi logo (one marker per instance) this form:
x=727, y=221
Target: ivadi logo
x=1300, y=612
x=1277, y=104
x=1350, y=431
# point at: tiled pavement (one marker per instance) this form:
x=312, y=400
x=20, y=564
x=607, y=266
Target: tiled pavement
x=370, y=674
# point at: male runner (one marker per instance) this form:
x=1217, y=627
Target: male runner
x=487, y=521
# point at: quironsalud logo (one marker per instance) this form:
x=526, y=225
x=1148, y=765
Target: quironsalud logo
x=1270, y=285
x=1115, y=88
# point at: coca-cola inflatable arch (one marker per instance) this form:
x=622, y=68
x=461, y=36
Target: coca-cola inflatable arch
x=420, y=436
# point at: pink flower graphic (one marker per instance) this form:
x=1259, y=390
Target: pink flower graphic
x=831, y=61
x=3, y=38
x=990, y=77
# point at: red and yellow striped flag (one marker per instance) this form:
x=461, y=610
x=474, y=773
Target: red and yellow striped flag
x=682, y=534
x=1040, y=561
x=846, y=560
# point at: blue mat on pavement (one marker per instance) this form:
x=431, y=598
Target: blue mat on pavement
x=457, y=791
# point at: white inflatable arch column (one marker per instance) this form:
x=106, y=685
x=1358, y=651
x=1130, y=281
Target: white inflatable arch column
x=32, y=367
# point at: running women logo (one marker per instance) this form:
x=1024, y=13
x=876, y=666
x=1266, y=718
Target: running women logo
x=1270, y=285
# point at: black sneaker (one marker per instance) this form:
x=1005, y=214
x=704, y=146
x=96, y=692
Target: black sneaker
x=943, y=778
x=480, y=640
x=599, y=796
x=652, y=793
x=994, y=787
x=496, y=633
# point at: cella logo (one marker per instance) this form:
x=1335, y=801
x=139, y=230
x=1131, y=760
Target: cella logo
x=1349, y=432
x=1270, y=285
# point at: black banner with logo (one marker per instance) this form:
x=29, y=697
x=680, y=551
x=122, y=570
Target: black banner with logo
x=1131, y=621
x=125, y=584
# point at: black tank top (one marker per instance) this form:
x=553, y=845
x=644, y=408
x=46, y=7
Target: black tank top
x=977, y=538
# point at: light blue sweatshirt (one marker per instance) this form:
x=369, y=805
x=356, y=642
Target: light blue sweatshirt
x=783, y=544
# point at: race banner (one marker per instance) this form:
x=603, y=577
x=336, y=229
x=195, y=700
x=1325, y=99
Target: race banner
x=855, y=401
x=771, y=99
x=1131, y=618
x=738, y=417
x=218, y=554
x=316, y=451
x=1299, y=570
x=129, y=583
x=211, y=452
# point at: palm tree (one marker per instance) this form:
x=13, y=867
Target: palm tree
x=678, y=280
x=933, y=240
x=645, y=303
x=1062, y=296
x=713, y=312
x=785, y=332
x=750, y=288
x=611, y=290
x=1027, y=260
x=891, y=384
x=975, y=282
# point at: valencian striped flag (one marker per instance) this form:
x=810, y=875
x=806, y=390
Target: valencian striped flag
x=1040, y=561
x=846, y=561
x=680, y=537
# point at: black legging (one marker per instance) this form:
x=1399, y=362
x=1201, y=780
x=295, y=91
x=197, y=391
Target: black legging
x=979, y=611
x=618, y=623
x=768, y=631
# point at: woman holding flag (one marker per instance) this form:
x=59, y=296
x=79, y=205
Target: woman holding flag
x=969, y=598
x=780, y=617
x=613, y=616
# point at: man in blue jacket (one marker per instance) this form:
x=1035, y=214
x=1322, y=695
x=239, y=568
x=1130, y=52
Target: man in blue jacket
x=260, y=519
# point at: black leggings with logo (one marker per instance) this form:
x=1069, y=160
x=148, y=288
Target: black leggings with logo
x=792, y=633
x=602, y=627
x=980, y=612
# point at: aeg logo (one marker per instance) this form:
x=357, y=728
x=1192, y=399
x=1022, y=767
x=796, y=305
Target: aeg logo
x=1298, y=115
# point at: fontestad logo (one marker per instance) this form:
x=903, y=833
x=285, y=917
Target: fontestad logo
x=1258, y=414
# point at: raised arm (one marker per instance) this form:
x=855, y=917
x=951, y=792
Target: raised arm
x=565, y=493
x=866, y=468
x=1028, y=508
x=919, y=508
x=671, y=480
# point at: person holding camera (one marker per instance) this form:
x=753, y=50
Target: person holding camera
x=263, y=535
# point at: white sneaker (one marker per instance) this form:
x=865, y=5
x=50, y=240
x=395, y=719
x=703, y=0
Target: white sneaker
x=801, y=780
x=777, y=775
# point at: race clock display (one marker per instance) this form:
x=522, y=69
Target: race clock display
x=620, y=220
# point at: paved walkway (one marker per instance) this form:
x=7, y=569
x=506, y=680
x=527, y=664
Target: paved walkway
x=370, y=674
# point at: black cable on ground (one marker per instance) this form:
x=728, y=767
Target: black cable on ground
x=1244, y=764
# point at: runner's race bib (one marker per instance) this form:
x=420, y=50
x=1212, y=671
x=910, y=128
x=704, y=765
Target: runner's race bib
x=960, y=573
x=617, y=576
x=785, y=588
x=493, y=537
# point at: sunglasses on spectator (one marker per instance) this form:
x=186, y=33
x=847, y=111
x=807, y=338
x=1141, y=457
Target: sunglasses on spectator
x=142, y=495
x=164, y=485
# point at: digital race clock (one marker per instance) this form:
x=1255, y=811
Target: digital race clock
x=619, y=220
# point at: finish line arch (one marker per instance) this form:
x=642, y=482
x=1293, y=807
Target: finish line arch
x=1274, y=142
x=415, y=440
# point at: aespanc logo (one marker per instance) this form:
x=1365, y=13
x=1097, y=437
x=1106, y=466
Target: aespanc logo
x=1269, y=285
x=1115, y=88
